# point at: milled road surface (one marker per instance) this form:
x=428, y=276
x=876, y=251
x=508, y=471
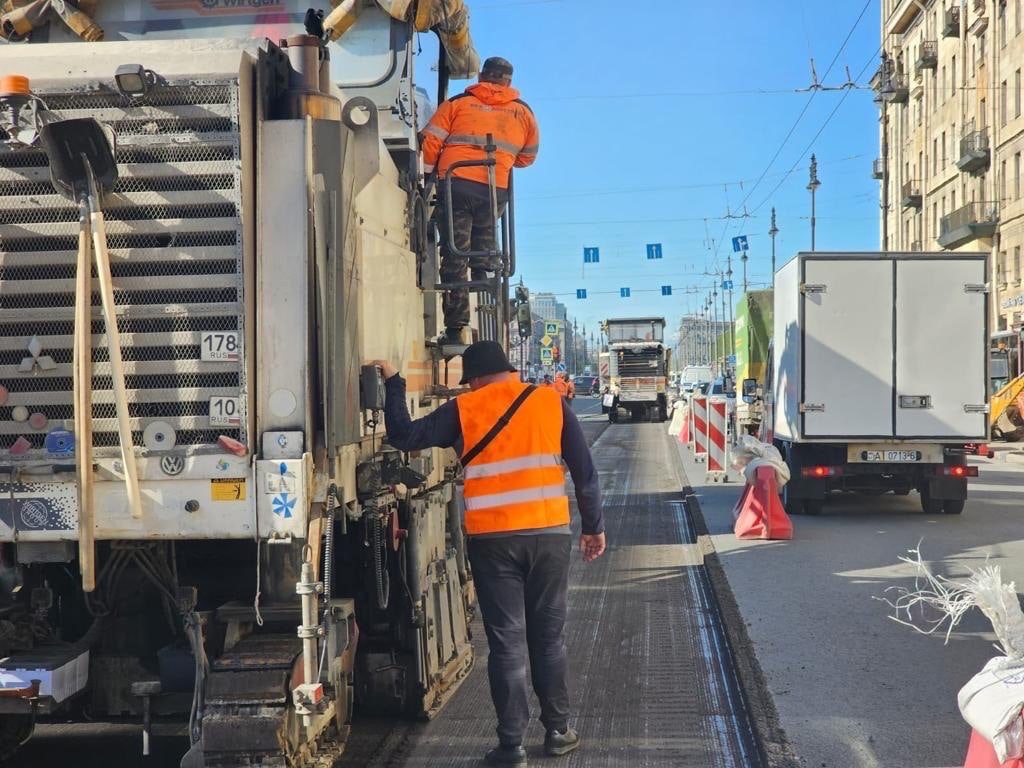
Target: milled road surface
x=652, y=678
x=853, y=688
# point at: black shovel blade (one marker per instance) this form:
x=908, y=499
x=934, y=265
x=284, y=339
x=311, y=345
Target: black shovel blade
x=74, y=148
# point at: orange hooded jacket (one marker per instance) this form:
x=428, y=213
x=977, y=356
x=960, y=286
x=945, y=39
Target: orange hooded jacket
x=459, y=128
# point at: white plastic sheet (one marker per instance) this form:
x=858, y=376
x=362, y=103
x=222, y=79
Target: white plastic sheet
x=750, y=454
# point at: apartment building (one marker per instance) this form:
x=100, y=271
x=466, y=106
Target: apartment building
x=952, y=135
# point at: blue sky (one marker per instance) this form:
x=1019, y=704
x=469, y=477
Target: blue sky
x=652, y=113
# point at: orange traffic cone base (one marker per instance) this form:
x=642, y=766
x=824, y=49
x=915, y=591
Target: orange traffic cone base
x=759, y=512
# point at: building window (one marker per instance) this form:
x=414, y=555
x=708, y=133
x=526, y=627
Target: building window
x=943, y=149
x=935, y=157
x=1002, y=103
x=935, y=219
x=982, y=114
x=1004, y=182
x=1016, y=177
x=1016, y=93
x=1001, y=268
x=1002, y=25
x=952, y=79
x=1016, y=17
x=1016, y=264
x=952, y=200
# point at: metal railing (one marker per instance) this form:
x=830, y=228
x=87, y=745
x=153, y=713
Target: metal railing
x=878, y=168
x=969, y=215
x=911, y=193
x=928, y=56
x=951, y=22
x=974, y=141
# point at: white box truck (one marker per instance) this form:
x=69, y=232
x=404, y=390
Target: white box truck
x=879, y=374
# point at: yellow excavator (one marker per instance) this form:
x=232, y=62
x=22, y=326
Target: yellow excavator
x=1007, y=411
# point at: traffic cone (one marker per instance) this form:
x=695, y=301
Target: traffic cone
x=759, y=513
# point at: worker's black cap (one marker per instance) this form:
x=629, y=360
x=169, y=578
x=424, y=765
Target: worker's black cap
x=482, y=359
x=497, y=67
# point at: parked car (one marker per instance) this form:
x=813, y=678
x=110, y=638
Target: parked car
x=587, y=385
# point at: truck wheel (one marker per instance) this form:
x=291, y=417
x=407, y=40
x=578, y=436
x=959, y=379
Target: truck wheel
x=953, y=506
x=929, y=505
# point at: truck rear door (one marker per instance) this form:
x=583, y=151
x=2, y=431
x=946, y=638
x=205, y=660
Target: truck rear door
x=847, y=347
x=941, y=348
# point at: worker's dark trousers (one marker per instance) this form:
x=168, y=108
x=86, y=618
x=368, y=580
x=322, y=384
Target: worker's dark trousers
x=522, y=585
x=472, y=230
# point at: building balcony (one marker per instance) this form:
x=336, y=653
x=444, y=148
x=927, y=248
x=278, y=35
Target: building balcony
x=951, y=22
x=928, y=57
x=878, y=168
x=975, y=152
x=895, y=89
x=980, y=23
x=973, y=221
x=911, y=197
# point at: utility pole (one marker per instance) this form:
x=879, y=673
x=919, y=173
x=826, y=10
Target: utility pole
x=772, y=233
x=812, y=186
x=728, y=313
x=575, y=362
x=714, y=307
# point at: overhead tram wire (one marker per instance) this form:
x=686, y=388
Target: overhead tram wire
x=815, y=87
x=821, y=130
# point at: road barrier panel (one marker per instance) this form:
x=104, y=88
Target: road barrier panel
x=699, y=410
x=717, y=432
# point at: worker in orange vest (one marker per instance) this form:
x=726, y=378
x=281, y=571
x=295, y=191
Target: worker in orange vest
x=513, y=439
x=458, y=131
x=562, y=385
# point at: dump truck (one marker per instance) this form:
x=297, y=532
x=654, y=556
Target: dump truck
x=753, y=335
x=199, y=513
x=638, y=368
x=869, y=389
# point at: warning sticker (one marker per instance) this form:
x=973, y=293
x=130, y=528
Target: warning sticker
x=227, y=489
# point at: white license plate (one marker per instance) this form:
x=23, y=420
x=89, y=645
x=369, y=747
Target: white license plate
x=220, y=347
x=892, y=457
x=225, y=412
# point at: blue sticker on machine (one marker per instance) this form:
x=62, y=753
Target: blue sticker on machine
x=36, y=513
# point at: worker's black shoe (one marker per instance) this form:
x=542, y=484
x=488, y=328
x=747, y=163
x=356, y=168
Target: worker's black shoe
x=558, y=743
x=502, y=755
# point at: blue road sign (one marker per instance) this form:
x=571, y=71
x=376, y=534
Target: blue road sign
x=654, y=250
x=581, y=293
x=730, y=360
x=666, y=290
x=727, y=285
x=739, y=243
x=561, y=367
x=591, y=255
x=623, y=293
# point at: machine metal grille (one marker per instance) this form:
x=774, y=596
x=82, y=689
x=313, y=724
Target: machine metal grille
x=640, y=362
x=174, y=225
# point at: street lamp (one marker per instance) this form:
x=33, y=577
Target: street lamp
x=772, y=233
x=812, y=186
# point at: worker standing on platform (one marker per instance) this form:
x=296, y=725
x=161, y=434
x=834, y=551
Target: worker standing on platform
x=512, y=438
x=458, y=131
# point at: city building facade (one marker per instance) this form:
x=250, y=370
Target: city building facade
x=952, y=135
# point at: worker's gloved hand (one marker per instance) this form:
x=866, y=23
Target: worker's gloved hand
x=592, y=546
x=386, y=368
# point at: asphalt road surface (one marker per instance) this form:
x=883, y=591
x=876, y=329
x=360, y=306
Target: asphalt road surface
x=853, y=688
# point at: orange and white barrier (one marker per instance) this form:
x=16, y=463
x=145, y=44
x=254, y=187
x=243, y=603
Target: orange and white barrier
x=716, y=439
x=699, y=409
x=759, y=512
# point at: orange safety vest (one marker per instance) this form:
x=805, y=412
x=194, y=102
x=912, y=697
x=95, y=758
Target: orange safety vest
x=516, y=482
x=459, y=128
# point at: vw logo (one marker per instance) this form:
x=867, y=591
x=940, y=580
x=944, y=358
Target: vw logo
x=172, y=465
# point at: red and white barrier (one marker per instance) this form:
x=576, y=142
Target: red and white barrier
x=716, y=437
x=699, y=409
x=759, y=512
